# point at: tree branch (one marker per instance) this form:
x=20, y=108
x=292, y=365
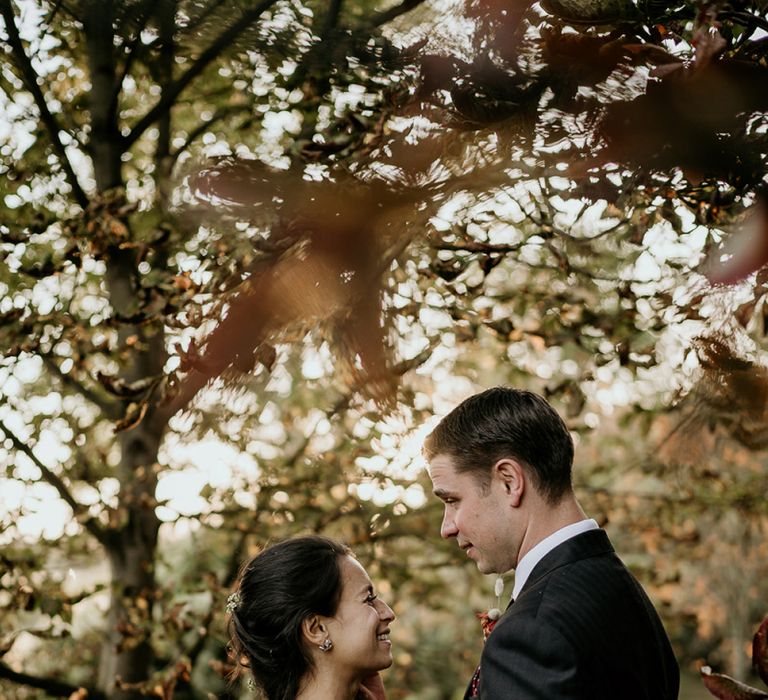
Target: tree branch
x=747, y=18
x=50, y=685
x=204, y=15
x=54, y=11
x=331, y=18
x=170, y=95
x=59, y=5
x=56, y=481
x=385, y=16
x=479, y=247
x=30, y=77
x=110, y=410
x=144, y=13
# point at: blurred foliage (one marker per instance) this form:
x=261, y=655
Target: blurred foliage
x=298, y=230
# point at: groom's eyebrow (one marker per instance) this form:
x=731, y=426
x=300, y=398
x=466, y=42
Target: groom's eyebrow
x=442, y=494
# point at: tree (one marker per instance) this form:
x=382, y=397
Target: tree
x=215, y=193
x=112, y=95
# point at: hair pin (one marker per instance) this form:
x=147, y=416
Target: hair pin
x=233, y=602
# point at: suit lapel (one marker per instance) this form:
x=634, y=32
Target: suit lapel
x=588, y=544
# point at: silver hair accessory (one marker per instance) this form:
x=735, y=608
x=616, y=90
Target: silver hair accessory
x=327, y=645
x=252, y=685
x=233, y=602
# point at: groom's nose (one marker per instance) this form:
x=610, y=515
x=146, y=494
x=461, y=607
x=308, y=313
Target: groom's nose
x=448, y=528
x=386, y=613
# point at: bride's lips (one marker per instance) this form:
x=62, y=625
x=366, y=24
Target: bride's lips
x=383, y=637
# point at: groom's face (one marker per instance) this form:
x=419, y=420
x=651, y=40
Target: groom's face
x=477, y=515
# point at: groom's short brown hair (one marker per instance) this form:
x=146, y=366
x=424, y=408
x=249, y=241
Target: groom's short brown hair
x=505, y=422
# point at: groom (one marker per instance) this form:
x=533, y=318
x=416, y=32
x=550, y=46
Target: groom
x=579, y=626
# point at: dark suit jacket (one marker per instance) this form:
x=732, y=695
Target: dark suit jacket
x=582, y=628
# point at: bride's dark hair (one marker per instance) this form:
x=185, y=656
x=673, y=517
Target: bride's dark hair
x=278, y=589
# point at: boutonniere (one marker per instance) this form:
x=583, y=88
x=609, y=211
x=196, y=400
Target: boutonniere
x=489, y=618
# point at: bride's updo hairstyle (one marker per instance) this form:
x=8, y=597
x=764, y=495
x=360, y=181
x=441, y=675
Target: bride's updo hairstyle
x=279, y=588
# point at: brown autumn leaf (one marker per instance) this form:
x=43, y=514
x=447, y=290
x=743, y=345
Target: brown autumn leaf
x=732, y=382
x=727, y=688
x=266, y=354
x=6, y=642
x=731, y=392
x=709, y=44
x=501, y=24
x=123, y=389
x=479, y=9
x=133, y=416
x=760, y=651
x=575, y=59
x=744, y=252
x=227, y=180
x=591, y=13
x=324, y=268
x=678, y=122
x=180, y=672
x=183, y=282
x=745, y=312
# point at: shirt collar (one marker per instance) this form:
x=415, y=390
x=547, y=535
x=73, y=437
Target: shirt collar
x=537, y=553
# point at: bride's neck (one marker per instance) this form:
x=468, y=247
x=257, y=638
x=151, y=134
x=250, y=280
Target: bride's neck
x=327, y=685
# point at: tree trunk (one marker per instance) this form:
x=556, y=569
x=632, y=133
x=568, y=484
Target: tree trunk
x=126, y=657
x=105, y=143
x=127, y=654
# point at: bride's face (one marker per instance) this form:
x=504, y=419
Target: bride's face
x=360, y=628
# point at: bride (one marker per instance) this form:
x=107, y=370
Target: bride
x=306, y=621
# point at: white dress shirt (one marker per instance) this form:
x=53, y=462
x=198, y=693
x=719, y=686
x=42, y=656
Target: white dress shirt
x=537, y=553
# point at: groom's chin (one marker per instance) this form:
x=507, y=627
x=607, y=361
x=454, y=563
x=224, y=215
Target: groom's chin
x=485, y=568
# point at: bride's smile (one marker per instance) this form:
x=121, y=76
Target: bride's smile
x=309, y=625
x=360, y=628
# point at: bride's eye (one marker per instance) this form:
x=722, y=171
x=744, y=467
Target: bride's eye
x=371, y=597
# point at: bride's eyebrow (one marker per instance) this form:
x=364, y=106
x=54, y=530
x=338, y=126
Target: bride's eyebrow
x=368, y=588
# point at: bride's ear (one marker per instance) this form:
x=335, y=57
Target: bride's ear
x=314, y=630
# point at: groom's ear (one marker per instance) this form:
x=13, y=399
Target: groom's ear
x=511, y=477
x=314, y=630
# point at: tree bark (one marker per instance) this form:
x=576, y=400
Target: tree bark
x=126, y=658
x=105, y=143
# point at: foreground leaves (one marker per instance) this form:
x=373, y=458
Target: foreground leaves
x=727, y=688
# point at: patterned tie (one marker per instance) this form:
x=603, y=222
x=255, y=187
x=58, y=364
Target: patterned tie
x=474, y=684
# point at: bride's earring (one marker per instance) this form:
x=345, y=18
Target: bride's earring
x=327, y=645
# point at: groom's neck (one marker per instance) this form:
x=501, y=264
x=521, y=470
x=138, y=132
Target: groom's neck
x=546, y=519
